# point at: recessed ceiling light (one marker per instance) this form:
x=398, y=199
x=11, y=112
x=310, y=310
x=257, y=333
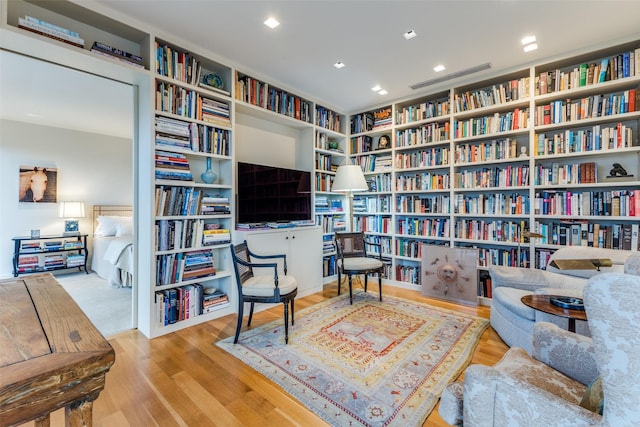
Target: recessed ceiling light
x=338, y=65
x=376, y=88
x=34, y=115
x=438, y=68
x=530, y=47
x=527, y=40
x=271, y=23
x=383, y=92
x=409, y=34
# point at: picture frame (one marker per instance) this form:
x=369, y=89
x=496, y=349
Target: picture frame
x=37, y=184
x=450, y=274
x=35, y=234
x=384, y=142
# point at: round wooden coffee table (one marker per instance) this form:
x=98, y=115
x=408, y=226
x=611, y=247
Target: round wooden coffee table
x=543, y=303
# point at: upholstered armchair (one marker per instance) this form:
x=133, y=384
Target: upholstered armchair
x=513, y=321
x=548, y=387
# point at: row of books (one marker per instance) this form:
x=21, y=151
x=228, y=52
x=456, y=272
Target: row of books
x=331, y=223
x=620, y=66
x=325, y=204
x=572, y=173
x=436, y=156
x=582, y=233
x=496, y=177
x=328, y=119
x=104, y=49
x=600, y=105
x=28, y=263
x=50, y=30
x=373, y=224
x=425, y=227
x=624, y=203
x=186, y=302
x=184, y=102
x=408, y=274
x=425, y=134
x=422, y=182
x=492, y=204
x=496, y=123
x=414, y=204
x=50, y=245
x=582, y=140
x=178, y=267
x=373, y=163
x=495, y=95
x=487, y=230
x=422, y=111
x=263, y=95
x=500, y=149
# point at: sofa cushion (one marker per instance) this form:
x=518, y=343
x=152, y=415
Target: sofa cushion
x=509, y=298
x=593, y=398
x=617, y=257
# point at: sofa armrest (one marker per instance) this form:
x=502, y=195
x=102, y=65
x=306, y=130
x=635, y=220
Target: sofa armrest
x=531, y=279
x=493, y=398
x=567, y=352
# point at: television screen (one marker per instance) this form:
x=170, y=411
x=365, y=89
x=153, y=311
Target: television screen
x=270, y=194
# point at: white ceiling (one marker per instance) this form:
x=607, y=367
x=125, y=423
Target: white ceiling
x=299, y=54
x=367, y=37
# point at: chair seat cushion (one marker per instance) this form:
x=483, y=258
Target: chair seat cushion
x=263, y=286
x=360, y=264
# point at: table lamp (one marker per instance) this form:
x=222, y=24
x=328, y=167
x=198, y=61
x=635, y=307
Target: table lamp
x=349, y=179
x=71, y=211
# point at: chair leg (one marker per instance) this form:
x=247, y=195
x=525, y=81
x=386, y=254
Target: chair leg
x=380, y=285
x=292, y=311
x=250, y=314
x=350, y=291
x=339, y=281
x=286, y=322
x=365, y=281
x=239, y=325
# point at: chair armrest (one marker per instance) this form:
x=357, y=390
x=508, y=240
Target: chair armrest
x=572, y=354
x=531, y=279
x=283, y=256
x=273, y=265
x=378, y=245
x=494, y=398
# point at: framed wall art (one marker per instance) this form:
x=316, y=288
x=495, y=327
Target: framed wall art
x=38, y=184
x=450, y=273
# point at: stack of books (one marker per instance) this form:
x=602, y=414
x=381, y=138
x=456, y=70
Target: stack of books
x=53, y=245
x=214, y=205
x=27, y=264
x=53, y=261
x=211, y=301
x=215, y=237
x=26, y=247
x=75, y=260
x=50, y=30
x=172, y=166
x=215, y=112
x=173, y=133
x=198, y=264
x=117, y=54
x=73, y=244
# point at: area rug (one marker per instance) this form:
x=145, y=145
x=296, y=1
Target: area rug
x=367, y=364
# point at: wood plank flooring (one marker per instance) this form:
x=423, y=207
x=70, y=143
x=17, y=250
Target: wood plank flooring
x=184, y=379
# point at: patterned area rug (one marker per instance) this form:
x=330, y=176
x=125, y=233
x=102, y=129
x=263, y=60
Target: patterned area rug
x=367, y=364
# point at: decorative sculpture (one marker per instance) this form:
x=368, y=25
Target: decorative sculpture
x=617, y=170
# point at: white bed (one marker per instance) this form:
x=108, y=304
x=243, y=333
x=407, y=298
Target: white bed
x=112, y=256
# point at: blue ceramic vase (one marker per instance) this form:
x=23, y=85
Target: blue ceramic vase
x=208, y=176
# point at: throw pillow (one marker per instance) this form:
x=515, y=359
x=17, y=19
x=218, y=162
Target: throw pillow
x=593, y=398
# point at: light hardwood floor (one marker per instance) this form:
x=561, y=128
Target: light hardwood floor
x=184, y=379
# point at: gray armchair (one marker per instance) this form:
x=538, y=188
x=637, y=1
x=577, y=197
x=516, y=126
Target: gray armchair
x=546, y=388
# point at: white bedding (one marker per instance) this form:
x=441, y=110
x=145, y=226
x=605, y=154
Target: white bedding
x=112, y=259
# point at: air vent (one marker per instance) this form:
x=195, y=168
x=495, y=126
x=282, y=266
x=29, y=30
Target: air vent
x=451, y=76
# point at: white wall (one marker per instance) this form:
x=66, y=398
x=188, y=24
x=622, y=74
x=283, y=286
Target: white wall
x=96, y=169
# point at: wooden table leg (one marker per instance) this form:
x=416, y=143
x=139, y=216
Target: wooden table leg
x=79, y=414
x=44, y=421
x=572, y=324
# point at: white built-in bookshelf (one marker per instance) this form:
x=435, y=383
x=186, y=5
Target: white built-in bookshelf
x=472, y=165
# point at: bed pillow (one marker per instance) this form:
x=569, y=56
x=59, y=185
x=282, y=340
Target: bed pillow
x=107, y=224
x=124, y=229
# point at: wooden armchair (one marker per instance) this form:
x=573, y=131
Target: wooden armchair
x=262, y=288
x=353, y=259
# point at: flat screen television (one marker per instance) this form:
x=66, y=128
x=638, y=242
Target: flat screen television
x=272, y=194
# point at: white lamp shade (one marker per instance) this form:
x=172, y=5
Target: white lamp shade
x=349, y=178
x=71, y=210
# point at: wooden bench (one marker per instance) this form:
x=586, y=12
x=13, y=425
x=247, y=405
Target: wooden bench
x=51, y=355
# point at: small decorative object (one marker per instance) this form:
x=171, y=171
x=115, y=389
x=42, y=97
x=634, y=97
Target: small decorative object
x=209, y=176
x=523, y=151
x=333, y=145
x=35, y=234
x=384, y=142
x=567, y=302
x=617, y=170
x=213, y=80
